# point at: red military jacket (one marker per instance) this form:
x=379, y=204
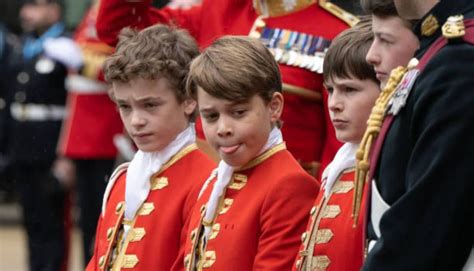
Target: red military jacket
x=93, y=119
x=307, y=128
x=157, y=232
x=332, y=241
x=261, y=216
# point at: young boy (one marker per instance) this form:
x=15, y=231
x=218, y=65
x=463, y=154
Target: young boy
x=394, y=42
x=252, y=210
x=333, y=240
x=147, y=202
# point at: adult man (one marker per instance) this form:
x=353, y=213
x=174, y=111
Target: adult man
x=36, y=109
x=421, y=207
x=298, y=31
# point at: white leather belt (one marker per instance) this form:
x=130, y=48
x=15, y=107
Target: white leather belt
x=37, y=112
x=377, y=208
x=83, y=85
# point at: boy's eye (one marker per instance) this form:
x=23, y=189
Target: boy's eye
x=151, y=105
x=123, y=106
x=330, y=89
x=385, y=41
x=238, y=112
x=350, y=89
x=209, y=117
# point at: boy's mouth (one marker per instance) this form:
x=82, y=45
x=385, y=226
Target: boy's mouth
x=229, y=149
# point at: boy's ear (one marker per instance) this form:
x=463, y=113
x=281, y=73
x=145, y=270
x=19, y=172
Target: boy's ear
x=189, y=106
x=276, y=106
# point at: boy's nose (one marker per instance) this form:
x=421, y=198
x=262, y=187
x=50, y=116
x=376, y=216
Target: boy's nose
x=372, y=56
x=137, y=119
x=334, y=102
x=224, y=128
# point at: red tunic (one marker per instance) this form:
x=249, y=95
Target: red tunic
x=262, y=214
x=307, y=128
x=93, y=119
x=331, y=241
x=154, y=241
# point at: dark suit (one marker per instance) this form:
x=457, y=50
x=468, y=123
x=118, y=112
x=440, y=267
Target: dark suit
x=425, y=170
x=36, y=101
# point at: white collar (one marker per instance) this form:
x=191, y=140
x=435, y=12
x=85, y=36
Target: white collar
x=145, y=164
x=344, y=159
x=224, y=176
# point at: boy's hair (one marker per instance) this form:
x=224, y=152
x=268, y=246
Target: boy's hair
x=383, y=9
x=156, y=52
x=235, y=68
x=345, y=57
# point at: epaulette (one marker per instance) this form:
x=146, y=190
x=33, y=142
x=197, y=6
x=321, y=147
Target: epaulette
x=454, y=27
x=339, y=12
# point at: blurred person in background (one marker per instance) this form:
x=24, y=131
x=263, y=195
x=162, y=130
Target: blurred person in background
x=36, y=98
x=87, y=136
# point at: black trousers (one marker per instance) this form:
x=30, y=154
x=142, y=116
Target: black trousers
x=44, y=214
x=91, y=180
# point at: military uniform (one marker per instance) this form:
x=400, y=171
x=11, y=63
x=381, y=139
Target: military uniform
x=334, y=238
x=87, y=134
x=36, y=109
x=422, y=215
x=158, y=230
x=297, y=32
x=259, y=220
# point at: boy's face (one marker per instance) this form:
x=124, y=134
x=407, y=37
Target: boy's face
x=151, y=112
x=394, y=45
x=350, y=102
x=238, y=131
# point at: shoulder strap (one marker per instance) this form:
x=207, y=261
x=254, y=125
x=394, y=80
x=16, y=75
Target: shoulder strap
x=339, y=12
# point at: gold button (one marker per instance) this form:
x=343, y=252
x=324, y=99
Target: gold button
x=119, y=207
x=101, y=262
x=303, y=236
x=187, y=260
x=313, y=210
x=110, y=232
x=203, y=209
x=193, y=235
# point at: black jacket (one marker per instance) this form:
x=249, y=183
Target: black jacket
x=38, y=81
x=426, y=172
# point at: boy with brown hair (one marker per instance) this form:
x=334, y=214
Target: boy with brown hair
x=334, y=239
x=252, y=210
x=147, y=202
x=394, y=42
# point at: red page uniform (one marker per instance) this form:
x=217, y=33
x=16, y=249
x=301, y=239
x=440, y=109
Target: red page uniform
x=155, y=234
x=259, y=218
x=93, y=119
x=300, y=32
x=333, y=241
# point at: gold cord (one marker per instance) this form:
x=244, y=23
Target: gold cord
x=374, y=125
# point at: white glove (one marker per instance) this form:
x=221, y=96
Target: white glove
x=65, y=51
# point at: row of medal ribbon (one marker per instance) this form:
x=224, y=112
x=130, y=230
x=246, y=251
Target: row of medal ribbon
x=296, y=49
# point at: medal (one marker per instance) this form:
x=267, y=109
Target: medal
x=400, y=96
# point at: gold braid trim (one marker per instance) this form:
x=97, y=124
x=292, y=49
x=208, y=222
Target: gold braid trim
x=374, y=125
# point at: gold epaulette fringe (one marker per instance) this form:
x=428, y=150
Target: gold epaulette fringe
x=374, y=125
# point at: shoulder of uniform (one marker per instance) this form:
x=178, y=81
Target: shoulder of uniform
x=113, y=179
x=339, y=12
